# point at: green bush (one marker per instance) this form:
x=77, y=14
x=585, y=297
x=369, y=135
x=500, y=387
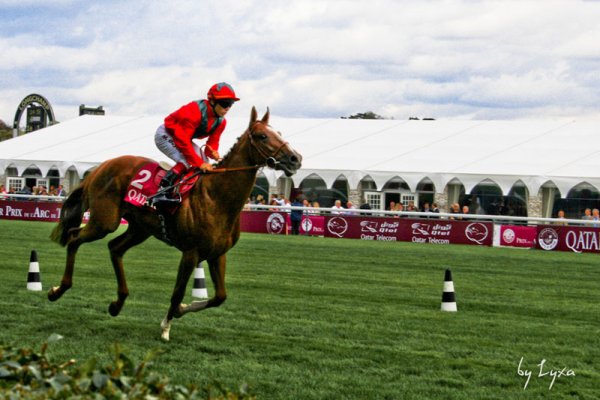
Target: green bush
x=26, y=374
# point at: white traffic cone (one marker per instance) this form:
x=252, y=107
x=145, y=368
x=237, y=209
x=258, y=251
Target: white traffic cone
x=33, y=277
x=448, y=298
x=199, y=289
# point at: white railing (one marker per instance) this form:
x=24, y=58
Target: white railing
x=31, y=197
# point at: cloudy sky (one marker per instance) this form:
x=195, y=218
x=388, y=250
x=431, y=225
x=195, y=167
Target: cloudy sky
x=311, y=59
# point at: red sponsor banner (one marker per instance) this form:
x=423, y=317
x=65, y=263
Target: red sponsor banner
x=30, y=210
x=568, y=238
x=312, y=225
x=518, y=236
x=263, y=222
x=435, y=231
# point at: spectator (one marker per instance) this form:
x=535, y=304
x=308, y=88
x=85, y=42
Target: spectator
x=411, y=206
x=426, y=207
x=350, y=209
x=276, y=200
x=2, y=191
x=561, y=215
x=337, y=208
x=454, y=209
x=465, y=210
x=315, y=204
x=587, y=214
x=435, y=208
x=286, y=205
x=61, y=191
x=398, y=207
x=595, y=216
x=296, y=216
x=392, y=206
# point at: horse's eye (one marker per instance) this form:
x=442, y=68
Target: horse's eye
x=262, y=136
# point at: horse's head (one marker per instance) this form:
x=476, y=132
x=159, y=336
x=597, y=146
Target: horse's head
x=270, y=148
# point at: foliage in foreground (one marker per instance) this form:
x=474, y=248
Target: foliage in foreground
x=26, y=374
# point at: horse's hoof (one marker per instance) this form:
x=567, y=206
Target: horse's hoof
x=54, y=293
x=166, y=328
x=114, y=308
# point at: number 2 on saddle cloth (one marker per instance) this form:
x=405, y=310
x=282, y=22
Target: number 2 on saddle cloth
x=147, y=182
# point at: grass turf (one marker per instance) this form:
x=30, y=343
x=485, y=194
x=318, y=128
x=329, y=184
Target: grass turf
x=323, y=318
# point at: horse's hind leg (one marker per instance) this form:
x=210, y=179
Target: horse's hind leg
x=88, y=233
x=118, y=246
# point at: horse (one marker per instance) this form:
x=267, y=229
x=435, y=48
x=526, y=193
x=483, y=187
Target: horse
x=205, y=226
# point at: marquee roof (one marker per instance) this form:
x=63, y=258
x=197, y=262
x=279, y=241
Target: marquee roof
x=558, y=153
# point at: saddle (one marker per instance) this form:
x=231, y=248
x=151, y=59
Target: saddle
x=146, y=184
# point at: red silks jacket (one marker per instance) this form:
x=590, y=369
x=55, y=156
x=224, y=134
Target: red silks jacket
x=196, y=120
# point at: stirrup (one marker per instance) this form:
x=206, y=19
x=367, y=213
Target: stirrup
x=163, y=198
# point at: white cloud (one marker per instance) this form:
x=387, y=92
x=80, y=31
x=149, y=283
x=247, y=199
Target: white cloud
x=444, y=59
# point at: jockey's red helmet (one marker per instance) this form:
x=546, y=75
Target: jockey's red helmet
x=220, y=91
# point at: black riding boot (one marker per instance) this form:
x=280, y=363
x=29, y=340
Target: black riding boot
x=165, y=197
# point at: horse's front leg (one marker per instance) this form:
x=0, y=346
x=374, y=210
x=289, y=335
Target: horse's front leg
x=217, y=275
x=189, y=260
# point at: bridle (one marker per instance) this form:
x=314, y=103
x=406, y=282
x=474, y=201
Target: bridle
x=270, y=159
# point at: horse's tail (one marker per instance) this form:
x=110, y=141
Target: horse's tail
x=71, y=216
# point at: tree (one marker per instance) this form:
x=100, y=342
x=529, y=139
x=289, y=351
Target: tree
x=365, y=115
x=5, y=131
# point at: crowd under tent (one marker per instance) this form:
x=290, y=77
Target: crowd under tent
x=529, y=167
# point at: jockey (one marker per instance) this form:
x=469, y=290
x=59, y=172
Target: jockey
x=196, y=120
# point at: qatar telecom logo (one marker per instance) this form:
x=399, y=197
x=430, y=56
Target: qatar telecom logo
x=337, y=226
x=275, y=223
x=548, y=239
x=476, y=232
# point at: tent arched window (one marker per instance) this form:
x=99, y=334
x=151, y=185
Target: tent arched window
x=487, y=198
x=578, y=199
x=314, y=189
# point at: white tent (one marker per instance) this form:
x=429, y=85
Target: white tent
x=536, y=152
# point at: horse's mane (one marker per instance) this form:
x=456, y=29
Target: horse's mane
x=231, y=151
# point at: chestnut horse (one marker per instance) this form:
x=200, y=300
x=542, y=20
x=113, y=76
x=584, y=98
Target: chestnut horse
x=205, y=227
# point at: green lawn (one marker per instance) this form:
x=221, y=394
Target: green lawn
x=315, y=318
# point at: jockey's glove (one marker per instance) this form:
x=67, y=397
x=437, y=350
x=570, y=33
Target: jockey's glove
x=206, y=167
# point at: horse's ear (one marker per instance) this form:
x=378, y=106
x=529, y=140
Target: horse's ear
x=253, y=117
x=265, y=117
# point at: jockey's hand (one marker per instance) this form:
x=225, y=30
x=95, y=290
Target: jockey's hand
x=215, y=155
x=206, y=167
